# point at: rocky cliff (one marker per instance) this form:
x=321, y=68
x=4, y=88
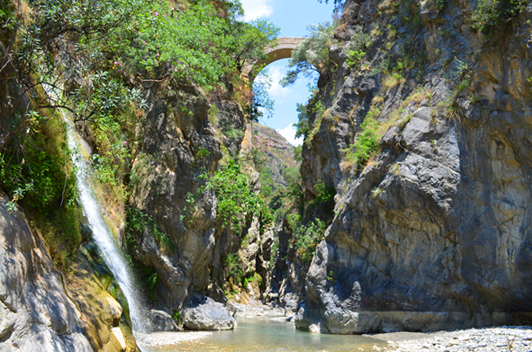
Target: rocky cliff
x=167, y=169
x=40, y=308
x=183, y=140
x=433, y=231
x=418, y=136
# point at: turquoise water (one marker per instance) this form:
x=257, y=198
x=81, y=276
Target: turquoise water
x=267, y=334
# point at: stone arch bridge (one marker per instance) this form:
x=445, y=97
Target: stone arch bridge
x=282, y=50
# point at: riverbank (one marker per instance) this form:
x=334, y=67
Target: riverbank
x=161, y=340
x=505, y=338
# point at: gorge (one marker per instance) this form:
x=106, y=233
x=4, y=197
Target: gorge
x=405, y=209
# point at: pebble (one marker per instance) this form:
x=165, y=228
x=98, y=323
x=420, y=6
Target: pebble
x=489, y=339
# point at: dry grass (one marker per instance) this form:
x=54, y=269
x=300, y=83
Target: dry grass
x=392, y=80
x=379, y=99
x=386, y=125
x=371, y=161
x=395, y=169
x=346, y=166
x=354, y=110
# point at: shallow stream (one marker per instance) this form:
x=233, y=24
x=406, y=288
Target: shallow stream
x=266, y=334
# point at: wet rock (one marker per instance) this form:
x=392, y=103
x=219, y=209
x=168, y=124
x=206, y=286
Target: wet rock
x=161, y=321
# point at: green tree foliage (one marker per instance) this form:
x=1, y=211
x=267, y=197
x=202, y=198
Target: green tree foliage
x=109, y=50
x=262, y=105
x=237, y=203
x=302, y=126
x=312, y=55
x=233, y=264
x=489, y=14
x=306, y=239
x=202, y=41
x=38, y=175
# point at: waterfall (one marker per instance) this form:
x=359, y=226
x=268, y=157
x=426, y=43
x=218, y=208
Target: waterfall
x=102, y=236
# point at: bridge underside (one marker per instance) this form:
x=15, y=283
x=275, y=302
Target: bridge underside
x=283, y=50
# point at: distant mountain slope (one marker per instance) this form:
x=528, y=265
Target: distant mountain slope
x=280, y=152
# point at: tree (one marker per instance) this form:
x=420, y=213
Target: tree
x=107, y=52
x=339, y=4
x=262, y=105
x=312, y=55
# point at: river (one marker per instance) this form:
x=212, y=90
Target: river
x=266, y=334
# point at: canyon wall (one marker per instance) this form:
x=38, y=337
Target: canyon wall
x=434, y=231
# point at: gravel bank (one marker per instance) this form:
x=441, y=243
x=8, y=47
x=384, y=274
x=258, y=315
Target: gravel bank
x=159, y=340
x=505, y=338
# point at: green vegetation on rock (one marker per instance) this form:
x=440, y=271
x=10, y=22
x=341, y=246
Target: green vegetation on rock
x=237, y=202
x=491, y=14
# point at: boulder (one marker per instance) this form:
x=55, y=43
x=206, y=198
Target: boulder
x=203, y=313
x=161, y=321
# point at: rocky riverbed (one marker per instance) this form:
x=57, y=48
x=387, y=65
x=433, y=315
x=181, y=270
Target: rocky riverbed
x=506, y=338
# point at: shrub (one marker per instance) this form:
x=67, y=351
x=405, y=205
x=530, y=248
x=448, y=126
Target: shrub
x=360, y=41
x=366, y=143
x=307, y=238
x=138, y=224
x=490, y=14
x=256, y=152
x=354, y=56
x=38, y=175
x=237, y=203
x=233, y=264
x=319, y=112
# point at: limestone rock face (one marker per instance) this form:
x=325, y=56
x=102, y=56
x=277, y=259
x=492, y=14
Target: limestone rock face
x=182, y=142
x=203, y=313
x=179, y=144
x=36, y=312
x=435, y=232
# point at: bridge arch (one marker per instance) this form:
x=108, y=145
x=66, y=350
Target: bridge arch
x=281, y=50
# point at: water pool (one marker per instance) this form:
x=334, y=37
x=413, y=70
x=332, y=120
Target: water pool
x=269, y=334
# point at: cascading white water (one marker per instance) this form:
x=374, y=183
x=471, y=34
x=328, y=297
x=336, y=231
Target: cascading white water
x=102, y=236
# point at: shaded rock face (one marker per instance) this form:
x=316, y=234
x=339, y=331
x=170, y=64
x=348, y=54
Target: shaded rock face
x=161, y=321
x=36, y=312
x=288, y=275
x=435, y=234
x=180, y=145
x=231, y=123
x=203, y=313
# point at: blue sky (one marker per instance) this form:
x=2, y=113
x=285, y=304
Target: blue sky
x=293, y=18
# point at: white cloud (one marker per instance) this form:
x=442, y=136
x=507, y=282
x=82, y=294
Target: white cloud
x=289, y=133
x=256, y=9
x=277, y=90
